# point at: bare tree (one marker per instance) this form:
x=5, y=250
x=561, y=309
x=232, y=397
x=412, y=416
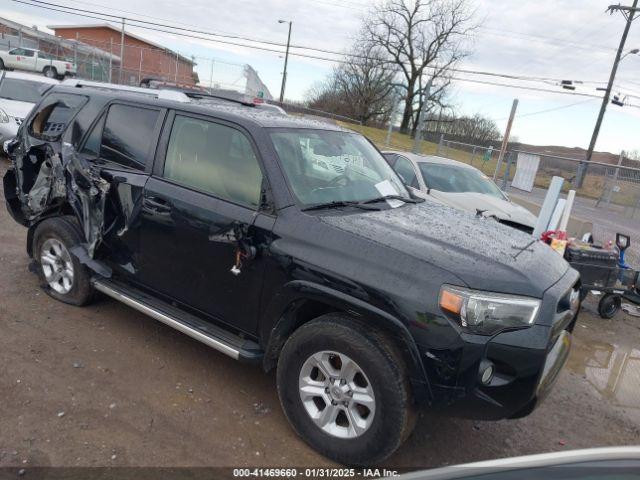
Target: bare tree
x=361, y=88
x=475, y=129
x=421, y=37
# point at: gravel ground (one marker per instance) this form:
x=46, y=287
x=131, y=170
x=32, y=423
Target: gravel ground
x=107, y=386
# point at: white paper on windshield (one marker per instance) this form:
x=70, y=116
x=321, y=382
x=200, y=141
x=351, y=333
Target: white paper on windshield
x=385, y=188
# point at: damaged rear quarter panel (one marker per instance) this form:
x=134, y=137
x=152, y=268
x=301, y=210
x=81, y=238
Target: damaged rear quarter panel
x=49, y=177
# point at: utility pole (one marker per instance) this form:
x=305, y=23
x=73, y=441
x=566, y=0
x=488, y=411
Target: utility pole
x=628, y=13
x=505, y=139
x=211, y=78
x=121, y=52
x=421, y=118
x=286, y=60
x=387, y=142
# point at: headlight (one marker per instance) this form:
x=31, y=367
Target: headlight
x=4, y=118
x=487, y=313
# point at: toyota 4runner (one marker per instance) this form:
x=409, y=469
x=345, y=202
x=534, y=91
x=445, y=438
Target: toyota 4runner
x=292, y=244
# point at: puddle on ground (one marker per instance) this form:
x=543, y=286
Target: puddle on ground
x=613, y=370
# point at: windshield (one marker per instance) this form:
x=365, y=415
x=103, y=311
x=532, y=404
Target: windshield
x=330, y=166
x=22, y=90
x=450, y=178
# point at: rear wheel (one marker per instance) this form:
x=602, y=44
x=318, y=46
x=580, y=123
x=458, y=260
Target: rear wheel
x=609, y=305
x=63, y=276
x=50, y=72
x=345, y=390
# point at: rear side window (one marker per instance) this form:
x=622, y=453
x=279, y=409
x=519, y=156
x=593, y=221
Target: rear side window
x=213, y=158
x=128, y=134
x=54, y=114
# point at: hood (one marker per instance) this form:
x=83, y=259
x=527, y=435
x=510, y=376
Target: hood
x=494, y=207
x=483, y=253
x=16, y=109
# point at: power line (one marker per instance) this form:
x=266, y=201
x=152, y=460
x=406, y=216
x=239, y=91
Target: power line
x=559, y=42
x=50, y=5
x=534, y=89
x=100, y=16
x=549, y=110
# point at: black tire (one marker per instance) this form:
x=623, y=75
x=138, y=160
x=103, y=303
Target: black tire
x=67, y=232
x=1, y=64
x=394, y=415
x=609, y=305
x=50, y=72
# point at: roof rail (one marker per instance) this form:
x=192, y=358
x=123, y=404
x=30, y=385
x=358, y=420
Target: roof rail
x=219, y=97
x=164, y=94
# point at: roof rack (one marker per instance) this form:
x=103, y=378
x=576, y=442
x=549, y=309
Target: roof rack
x=162, y=94
x=219, y=97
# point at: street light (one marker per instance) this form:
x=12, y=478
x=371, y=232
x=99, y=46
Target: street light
x=635, y=51
x=582, y=167
x=286, y=59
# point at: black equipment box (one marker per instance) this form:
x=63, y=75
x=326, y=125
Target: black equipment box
x=597, y=267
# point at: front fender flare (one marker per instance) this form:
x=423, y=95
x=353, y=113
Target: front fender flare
x=283, y=309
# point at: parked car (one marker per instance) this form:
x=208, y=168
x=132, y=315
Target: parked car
x=226, y=223
x=19, y=92
x=33, y=60
x=460, y=186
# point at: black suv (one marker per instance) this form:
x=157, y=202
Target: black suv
x=290, y=243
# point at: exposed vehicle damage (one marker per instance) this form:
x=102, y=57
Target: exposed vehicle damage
x=48, y=178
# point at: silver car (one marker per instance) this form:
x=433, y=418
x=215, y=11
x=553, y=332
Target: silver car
x=460, y=186
x=19, y=92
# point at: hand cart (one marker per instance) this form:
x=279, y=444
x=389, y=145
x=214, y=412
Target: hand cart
x=606, y=272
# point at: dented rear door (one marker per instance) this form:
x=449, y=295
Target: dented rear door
x=122, y=144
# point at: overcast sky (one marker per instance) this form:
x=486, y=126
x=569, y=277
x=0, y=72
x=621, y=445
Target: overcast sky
x=568, y=39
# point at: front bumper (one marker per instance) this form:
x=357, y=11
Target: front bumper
x=526, y=362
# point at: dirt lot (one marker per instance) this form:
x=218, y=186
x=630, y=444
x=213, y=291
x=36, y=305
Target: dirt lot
x=105, y=385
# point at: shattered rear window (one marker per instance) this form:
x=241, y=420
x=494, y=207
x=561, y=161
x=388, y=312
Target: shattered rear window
x=54, y=114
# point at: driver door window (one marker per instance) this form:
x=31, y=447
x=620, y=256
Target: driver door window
x=213, y=158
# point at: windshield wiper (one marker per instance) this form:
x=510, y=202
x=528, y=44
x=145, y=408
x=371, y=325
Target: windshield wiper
x=339, y=204
x=394, y=197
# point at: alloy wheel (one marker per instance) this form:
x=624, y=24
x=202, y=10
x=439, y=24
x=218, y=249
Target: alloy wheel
x=57, y=265
x=337, y=394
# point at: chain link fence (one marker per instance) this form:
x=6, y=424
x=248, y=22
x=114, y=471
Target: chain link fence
x=99, y=56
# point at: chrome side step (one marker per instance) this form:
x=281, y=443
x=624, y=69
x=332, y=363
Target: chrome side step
x=229, y=346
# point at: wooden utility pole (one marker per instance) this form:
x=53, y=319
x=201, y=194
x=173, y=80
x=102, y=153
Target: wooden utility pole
x=286, y=60
x=505, y=139
x=628, y=12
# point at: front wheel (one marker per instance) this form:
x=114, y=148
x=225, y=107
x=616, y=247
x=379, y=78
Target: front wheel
x=345, y=390
x=1, y=64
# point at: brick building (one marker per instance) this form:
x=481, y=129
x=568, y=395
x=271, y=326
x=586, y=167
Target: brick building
x=142, y=58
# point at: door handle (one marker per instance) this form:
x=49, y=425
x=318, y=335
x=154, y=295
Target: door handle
x=157, y=204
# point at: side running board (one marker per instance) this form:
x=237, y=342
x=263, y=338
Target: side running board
x=205, y=332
